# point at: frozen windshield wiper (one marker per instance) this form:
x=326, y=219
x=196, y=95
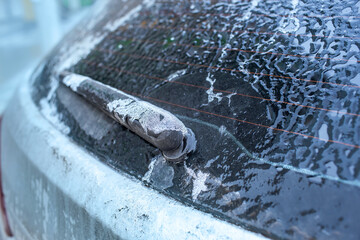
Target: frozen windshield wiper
x=156, y=125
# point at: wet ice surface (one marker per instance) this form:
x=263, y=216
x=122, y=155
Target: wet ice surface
x=281, y=155
x=160, y=173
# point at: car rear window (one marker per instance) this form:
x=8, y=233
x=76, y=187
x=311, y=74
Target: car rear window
x=271, y=91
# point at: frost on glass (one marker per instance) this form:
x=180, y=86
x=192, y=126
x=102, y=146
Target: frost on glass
x=271, y=91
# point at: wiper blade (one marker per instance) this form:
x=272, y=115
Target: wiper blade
x=156, y=125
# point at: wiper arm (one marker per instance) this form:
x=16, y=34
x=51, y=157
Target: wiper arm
x=156, y=125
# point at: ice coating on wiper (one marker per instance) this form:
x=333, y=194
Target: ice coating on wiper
x=144, y=112
x=271, y=89
x=155, y=125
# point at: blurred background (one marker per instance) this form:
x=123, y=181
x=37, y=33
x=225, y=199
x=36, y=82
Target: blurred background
x=28, y=31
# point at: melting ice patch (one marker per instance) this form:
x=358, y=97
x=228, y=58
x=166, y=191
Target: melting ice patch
x=290, y=23
x=331, y=169
x=211, y=161
x=229, y=97
x=323, y=134
x=210, y=92
x=238, y=24
x=160, y=173
x=176, y=74
x=247, y=14
x=211, y=95
x=356, y=80
x=199, y=180
x=147, y=175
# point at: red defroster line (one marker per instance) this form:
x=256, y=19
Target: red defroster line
x=234, y=49
x=271, y=15
x=217, y=90
x=263, y=15
x=242, y=121
x=224, y=69
x=252, y=32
